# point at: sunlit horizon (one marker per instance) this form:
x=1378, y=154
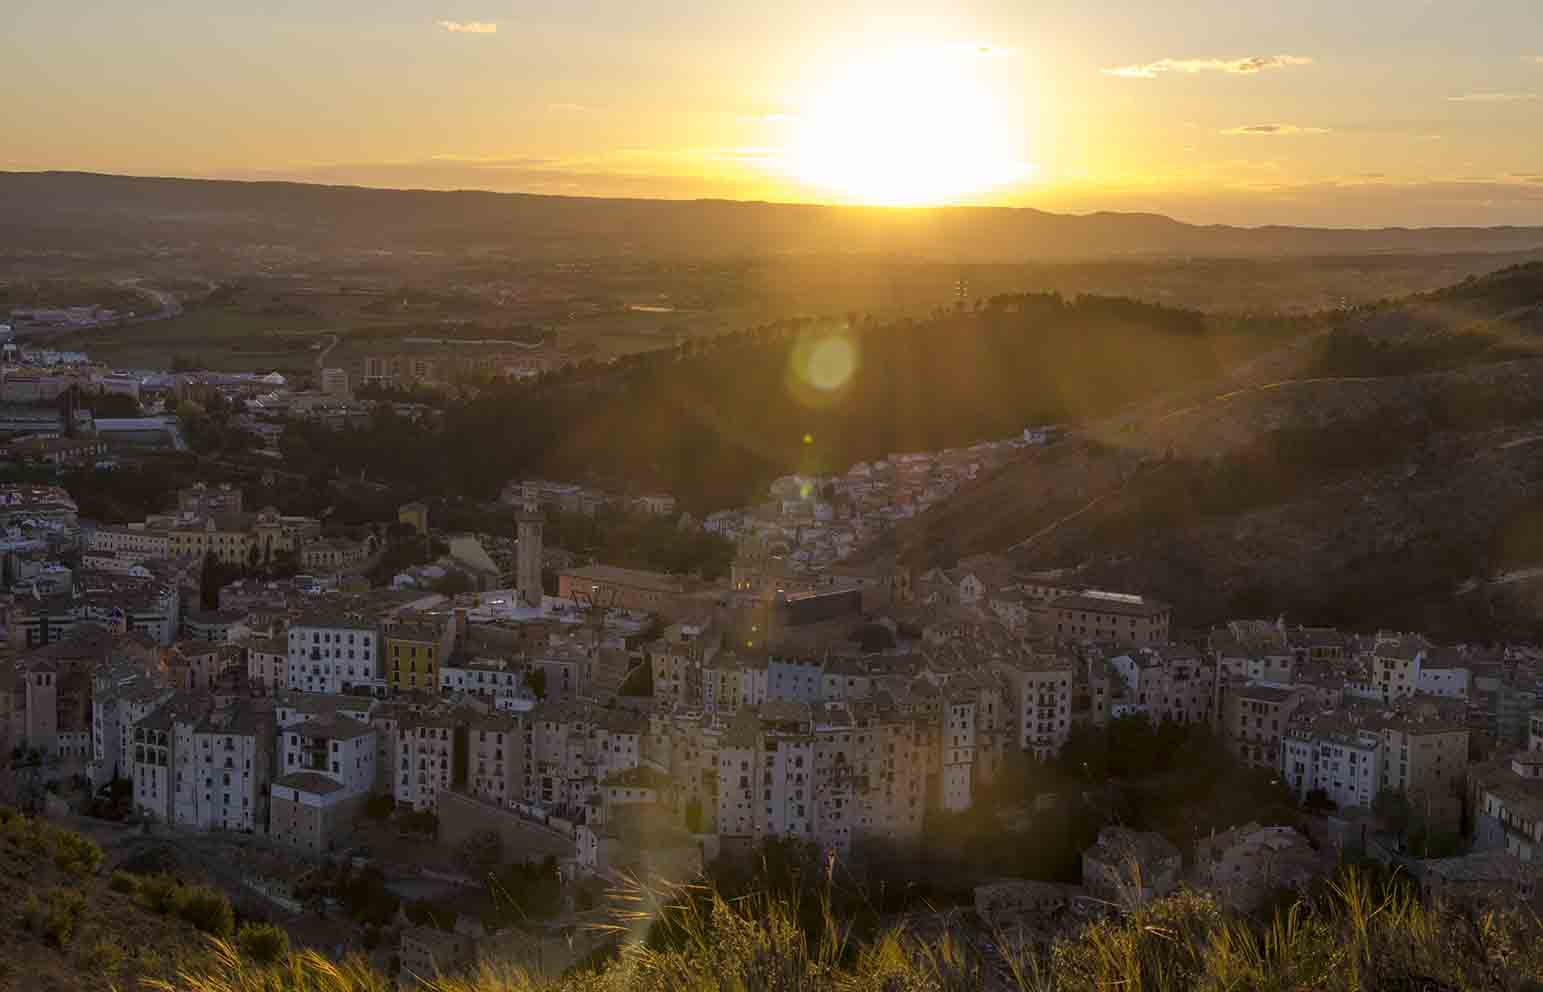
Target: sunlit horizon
x=1219, y=111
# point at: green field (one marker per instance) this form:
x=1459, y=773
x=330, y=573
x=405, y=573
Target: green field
x=224, y=338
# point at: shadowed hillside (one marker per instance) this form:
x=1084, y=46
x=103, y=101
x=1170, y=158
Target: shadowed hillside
x=1377, y=473
x=716, y=421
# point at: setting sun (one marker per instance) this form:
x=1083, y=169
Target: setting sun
x=908, y=127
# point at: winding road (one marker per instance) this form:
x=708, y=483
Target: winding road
x=1246, y=390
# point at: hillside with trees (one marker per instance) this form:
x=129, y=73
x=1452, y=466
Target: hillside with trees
x=715, y=421
x=1379, y=473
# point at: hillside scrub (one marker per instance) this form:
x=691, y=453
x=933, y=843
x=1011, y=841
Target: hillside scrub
x=73, y=853
x=1351, y=354
x=205, y=908
x=1361, y=931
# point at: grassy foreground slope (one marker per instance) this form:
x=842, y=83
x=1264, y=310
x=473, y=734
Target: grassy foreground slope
x=65, y=927
x=1357, y=934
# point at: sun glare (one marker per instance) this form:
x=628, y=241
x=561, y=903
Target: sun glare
x=908, y=127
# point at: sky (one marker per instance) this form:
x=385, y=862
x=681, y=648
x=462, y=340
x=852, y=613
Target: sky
x=1347, y=114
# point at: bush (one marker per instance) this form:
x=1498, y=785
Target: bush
x=54, y=916
x=207, y=909
x=105, y=956
x=263, y=942
x=122, y=881
x=76, y=855
x=158, y=893
x=32, y=912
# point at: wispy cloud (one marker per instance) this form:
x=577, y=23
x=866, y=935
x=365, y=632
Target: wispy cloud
x=469, y=27
x=1275, y=129
x=1246, y=66
x=1495, y=97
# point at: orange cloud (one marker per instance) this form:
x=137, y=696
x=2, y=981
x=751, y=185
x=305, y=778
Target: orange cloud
x=469, y=27
x=1246, y=66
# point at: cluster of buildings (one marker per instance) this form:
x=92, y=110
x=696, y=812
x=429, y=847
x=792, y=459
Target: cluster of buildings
x=810, y=522
x=211, y=520
x=638, y=720
x=571, y=497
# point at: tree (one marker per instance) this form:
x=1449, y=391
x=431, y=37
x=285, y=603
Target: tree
x=537, y=682
x=211, y=579
x=1392, y=808
x=263, y=942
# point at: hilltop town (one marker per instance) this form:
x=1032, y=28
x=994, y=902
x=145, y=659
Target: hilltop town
x=459, y=724
x=612, y=722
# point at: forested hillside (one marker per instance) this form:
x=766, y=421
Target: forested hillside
x=716, y=421
x=1383, y=473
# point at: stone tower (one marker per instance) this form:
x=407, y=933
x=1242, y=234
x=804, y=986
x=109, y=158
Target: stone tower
x=527, y=568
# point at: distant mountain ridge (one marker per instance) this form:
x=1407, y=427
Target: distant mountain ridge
x=58, y=209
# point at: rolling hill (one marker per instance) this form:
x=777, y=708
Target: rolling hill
x=1382, y=471
x=60, y=210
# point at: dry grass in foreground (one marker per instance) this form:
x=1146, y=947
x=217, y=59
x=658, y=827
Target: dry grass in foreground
x=1359, y=934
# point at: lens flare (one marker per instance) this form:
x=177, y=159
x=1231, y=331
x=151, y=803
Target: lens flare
x=822, y=367
x=831, y=363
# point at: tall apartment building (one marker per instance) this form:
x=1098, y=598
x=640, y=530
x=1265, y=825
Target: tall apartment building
x=766, y=775
x=267, y=663
x=677, y=660
x=1424, y=754
x=1254, y=720
x=332, y=653
x=495, y=757
x=114, y=712
x=687, y=747
x=1336, y=755
x=415, y=653
x=870, y=775
x=327, y=765
x=1041, y=700
x=425, y=759
x=731, y=680
x=163, y=764
x=573, y=746
x=231, y=771
x=958, y=751
x=337, y=746
x=1396, y=662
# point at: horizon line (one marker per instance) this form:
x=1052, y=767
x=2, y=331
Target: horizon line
x=762, y=202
